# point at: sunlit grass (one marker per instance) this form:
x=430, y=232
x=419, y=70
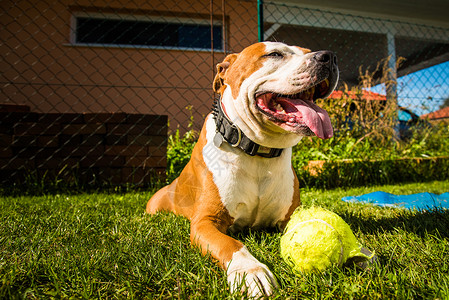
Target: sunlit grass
x=105, y=246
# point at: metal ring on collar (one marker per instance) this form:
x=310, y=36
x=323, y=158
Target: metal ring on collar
x=239, y=136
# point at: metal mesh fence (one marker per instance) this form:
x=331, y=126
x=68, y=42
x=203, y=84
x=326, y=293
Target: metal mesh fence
x=415, y=56
x=87, y=86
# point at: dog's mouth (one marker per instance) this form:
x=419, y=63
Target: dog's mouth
x=298, y=112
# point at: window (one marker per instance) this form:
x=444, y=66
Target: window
x=158, y=32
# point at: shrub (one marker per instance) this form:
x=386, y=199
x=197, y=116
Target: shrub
x=349, y=160
x=179, y=150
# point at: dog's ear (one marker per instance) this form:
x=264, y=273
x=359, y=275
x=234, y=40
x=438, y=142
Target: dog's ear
x=221, y=72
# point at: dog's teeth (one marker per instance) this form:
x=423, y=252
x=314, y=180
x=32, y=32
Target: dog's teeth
x=292, y=120
x=279, y=108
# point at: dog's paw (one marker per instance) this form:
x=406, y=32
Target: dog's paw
x=245, y=273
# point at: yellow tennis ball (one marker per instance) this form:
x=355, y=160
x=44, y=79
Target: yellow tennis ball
x=316, y=239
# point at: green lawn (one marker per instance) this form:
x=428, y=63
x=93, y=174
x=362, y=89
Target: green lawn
x=105, y=246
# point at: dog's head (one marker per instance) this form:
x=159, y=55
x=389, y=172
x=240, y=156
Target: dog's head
x=269, y=91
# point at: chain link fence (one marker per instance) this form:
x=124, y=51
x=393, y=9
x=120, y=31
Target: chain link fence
x=90, y=89
x=416, y=57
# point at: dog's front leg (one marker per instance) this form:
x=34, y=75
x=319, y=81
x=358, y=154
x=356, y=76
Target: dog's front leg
x=243, y=270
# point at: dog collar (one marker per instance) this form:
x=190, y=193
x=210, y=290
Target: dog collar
x=229, y=132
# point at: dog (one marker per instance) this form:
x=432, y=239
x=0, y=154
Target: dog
x=240, y=173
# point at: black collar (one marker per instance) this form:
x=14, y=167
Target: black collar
x=226, y=130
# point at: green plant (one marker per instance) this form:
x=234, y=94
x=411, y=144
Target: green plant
x=179, y=150
x=180, y=147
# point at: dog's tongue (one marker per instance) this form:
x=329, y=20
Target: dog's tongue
x=313, y=116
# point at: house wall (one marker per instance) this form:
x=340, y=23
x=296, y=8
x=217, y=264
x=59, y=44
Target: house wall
x=42, y=69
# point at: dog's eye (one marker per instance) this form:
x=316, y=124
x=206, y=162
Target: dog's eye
x=275, y=54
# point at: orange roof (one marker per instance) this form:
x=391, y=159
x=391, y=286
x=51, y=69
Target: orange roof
x=367, y=95
x=439, y=114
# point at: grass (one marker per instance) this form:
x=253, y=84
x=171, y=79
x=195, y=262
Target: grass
x=104, y=246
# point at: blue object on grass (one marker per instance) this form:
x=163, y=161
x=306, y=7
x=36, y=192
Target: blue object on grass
x=414, y=201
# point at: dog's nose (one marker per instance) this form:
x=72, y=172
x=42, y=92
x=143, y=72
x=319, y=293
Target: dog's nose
x=326, y=58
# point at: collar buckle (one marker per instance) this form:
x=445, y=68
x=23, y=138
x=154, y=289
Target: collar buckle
x=239, y=136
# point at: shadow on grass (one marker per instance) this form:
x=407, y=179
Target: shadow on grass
x=423, y=222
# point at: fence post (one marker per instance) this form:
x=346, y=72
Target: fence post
x=260, y=20
x=391, y=85
x=392, y=80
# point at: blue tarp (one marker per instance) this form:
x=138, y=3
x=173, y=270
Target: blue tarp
x=414, y=201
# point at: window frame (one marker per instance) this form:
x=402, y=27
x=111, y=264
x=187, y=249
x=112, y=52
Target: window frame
x=141, y=18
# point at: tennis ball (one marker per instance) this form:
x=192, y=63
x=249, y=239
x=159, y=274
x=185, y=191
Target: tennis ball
x=315, y=239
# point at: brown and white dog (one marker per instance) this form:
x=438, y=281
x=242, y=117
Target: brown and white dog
x=240, y=173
